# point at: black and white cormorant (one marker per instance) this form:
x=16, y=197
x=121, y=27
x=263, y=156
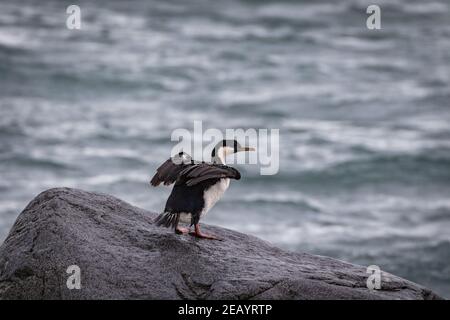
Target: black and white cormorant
x=198, y=186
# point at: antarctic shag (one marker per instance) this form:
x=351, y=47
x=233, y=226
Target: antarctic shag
x=198, y=186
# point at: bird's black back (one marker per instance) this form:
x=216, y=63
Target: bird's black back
x=189, y=199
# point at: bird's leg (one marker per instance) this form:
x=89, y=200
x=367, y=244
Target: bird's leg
x=180, y=230
x=197, y=233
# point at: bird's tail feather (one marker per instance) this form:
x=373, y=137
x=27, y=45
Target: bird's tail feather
x=167, y=219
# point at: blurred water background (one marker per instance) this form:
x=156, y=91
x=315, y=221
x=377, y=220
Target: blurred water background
x=363, y=115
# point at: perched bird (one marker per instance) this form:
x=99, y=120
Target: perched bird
x=198, y=186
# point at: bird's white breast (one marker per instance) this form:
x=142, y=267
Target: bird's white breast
x=214, y=193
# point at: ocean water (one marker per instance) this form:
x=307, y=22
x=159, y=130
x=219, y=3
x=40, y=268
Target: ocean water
x=363, y=115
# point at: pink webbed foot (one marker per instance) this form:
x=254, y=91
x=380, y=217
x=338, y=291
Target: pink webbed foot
x=197, y=233
x=180, y=230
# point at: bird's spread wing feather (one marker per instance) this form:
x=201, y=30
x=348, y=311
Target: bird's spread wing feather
x=169, y=171
x=197, y=173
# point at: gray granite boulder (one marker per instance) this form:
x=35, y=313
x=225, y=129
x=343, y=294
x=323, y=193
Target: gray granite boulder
x=122, y=255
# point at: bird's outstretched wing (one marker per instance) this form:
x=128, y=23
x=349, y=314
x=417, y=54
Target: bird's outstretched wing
x=169, y=171
x=197, y=173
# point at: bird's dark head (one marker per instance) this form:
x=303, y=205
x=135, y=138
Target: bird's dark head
x=227, y=147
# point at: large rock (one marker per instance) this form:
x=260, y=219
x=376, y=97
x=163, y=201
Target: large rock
x=122, y=255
